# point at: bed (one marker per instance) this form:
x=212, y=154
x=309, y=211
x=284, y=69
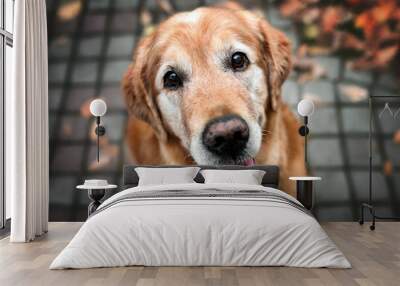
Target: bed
x=201, y=224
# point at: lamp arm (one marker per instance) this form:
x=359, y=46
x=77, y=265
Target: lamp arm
x=98, y=138
x=100, y=131
x=305, y=139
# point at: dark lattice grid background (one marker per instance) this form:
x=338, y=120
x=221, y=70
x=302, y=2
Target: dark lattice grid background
x=91, y=47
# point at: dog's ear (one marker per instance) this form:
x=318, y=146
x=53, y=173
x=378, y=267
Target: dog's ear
x=137, y=88
x=276, y=53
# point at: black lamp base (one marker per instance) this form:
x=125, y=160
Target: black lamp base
x=305, y=193
x=95, y=195
x=374, y=217
x=304, y=130
x=100, y=130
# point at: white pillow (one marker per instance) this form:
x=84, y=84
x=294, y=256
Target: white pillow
x=248, y=177
x=165, y=176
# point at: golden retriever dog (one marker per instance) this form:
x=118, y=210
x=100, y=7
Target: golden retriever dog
x=205, y=88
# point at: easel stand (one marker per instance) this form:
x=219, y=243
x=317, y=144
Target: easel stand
x=370, y=205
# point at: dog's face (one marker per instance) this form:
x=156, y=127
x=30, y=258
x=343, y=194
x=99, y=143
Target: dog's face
x=210, y=78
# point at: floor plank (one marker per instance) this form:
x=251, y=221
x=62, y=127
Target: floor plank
x=375, y=257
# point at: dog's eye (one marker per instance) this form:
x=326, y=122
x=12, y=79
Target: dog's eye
x=239, y=61
x=172, y=80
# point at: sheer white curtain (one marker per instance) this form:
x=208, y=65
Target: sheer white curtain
x=27, y=124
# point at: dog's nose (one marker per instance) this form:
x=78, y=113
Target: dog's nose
x=226, y=135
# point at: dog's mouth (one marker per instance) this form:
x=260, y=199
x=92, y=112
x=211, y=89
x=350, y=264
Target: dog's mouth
x=240, y=161
x=248, y=162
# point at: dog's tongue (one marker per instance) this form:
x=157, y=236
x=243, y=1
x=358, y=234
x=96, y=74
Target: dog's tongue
x=249, y=162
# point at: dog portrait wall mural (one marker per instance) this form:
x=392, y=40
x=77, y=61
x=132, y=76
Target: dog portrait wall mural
x=205, y=88
x=216, y=82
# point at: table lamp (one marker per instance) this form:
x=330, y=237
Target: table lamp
x=305, y=108
x=98, y=108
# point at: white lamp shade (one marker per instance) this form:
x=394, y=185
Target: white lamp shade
x=98, y=107
x=305, y=107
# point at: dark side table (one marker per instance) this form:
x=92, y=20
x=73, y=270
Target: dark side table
x=95, y=194
x=305, y=190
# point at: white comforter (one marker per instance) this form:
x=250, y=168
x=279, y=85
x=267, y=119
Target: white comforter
x=181, y=231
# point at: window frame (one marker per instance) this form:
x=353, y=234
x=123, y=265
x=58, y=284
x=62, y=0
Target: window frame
x=6, y=39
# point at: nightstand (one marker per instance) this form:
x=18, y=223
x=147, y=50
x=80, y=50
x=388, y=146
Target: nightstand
x=305, y=190
x=96, y=190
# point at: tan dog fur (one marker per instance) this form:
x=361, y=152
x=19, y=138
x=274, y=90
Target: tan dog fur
x=153, y=139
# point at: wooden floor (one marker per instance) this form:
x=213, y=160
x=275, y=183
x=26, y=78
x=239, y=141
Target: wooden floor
x=375, y=257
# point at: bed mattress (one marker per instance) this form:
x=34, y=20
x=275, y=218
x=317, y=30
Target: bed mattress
x=201, y=225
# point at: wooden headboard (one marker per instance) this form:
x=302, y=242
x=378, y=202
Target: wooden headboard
x=271, y=177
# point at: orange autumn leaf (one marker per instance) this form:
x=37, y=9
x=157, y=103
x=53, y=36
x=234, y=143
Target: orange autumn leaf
x=396, y=137
x=371, y=19
x=384, y=56
x=70, y=10
x=147, y=21
x=291, y=7
x=380, y=59
x=319, y=50
x=166, y=6
x=67, y=129
x=330, y=19
x=353, y=92
x=308, y=70
x=352, y=42
x=85, y=109
x=366, y=22
x=388, y=168
x=302, y=51
x=362, y=63
x=387, y=35
x=378, y=21
x=311, y=15
x=316, y=99
x=145, y=18
x=382, y=12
